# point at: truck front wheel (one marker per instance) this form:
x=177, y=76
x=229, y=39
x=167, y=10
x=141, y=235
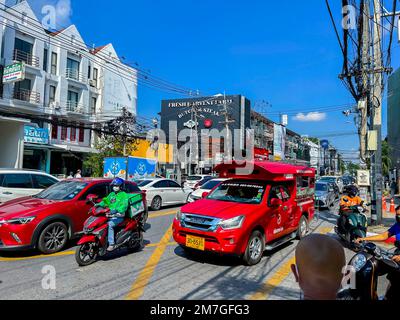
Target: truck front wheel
x=255, y=249
x=303, y=228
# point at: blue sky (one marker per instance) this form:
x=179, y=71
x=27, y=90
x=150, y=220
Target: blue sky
x=284, y=53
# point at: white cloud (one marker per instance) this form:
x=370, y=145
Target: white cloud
x=310, y=117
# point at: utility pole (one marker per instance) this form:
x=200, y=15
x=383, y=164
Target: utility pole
x=124, y=129
x=226, y=122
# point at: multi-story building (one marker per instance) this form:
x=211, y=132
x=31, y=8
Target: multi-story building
x=64, y=89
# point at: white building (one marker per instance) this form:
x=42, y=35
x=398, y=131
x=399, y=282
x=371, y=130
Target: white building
x=64, y=81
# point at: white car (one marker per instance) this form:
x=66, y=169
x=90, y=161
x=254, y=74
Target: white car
x=334, y=179
x=163, y=192
x=191, y=181
x=16, y=183
x=207, y=187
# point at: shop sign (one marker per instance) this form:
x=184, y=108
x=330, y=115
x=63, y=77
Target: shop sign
x=14, y=72
x=36, y=135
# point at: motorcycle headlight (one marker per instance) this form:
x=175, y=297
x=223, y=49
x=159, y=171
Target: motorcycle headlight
x=23, y=220
x=234, y=223
x=358, y=262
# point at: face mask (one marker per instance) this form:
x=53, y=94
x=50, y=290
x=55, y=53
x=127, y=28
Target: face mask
x=116, y=189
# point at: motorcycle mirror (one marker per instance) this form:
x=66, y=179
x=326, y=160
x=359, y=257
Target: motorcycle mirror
x=91, y=198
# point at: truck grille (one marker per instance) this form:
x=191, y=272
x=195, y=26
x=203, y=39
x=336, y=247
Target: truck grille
x=193, y=221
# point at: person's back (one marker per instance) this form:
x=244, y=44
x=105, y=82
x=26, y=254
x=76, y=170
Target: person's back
x=319, y=263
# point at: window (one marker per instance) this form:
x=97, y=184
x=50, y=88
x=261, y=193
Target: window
x=52, y=94
x=93, y=105
x=161, y=184
x=81, y=134
x=17, y=180
x=72, y=135
x=54, y=59
x=45, y=59
x=275, y=193
x=73, y=69
x=285, y=194
x=54, y=131
x=100, y=190
x=95, y=76
x=23, y=47
x=89, y=72
x=42, y=182
x=303, y=182
x=131, y=188
x=173, y=184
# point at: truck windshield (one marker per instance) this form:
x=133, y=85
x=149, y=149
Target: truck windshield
x=321, y=187
x=241, y=192
x=63, y=190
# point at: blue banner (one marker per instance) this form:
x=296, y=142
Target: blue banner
x=36, y=135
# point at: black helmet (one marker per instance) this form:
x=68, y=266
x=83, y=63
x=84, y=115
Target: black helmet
x=117, y=182
x=352, y=191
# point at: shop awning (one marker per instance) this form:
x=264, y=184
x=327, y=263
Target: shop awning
x=76, y=148
x=42, y=146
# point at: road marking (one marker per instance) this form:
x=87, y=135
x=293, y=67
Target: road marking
x=64, y=253
x=161, y=214
x=280, y=275
x=145, y=275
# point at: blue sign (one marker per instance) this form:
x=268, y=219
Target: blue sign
x=139, y=168
x=36, y=135
x=115, y=167
x=324, y=144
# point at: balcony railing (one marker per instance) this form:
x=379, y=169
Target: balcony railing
x=27, y=96
x=74, y=74
x=73, y=106
x=26, y=57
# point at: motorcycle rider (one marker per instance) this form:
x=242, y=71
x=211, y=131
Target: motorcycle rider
x=117, y=201
x=348, y=200
x=393, y=231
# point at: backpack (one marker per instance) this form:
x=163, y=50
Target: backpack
x=136, y=205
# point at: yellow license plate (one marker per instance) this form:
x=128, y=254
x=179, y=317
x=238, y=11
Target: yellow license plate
x=195, y=242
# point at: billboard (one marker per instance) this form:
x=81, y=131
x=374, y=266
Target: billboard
x=119, y=93
x=279, y=142
x=36, y=135
x=14, y=72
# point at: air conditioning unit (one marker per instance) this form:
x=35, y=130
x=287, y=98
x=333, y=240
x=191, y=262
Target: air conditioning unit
x=92, y=83
x=55, y=105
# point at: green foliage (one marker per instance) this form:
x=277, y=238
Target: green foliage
x=386, y=161
x=352, y=168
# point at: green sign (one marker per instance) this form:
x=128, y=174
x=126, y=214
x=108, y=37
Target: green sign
x=14, y=72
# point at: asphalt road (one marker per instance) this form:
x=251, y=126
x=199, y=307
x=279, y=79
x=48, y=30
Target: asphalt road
x=160, y=271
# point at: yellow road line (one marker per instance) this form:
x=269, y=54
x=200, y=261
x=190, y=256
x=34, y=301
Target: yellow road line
x=279, y=275
x=161, y=214
x=145, y=275
x=64, y=253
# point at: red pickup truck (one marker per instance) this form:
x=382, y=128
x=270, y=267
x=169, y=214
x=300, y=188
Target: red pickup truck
x=247, y=214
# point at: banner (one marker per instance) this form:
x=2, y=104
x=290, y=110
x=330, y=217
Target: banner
x=279, y=142
x=14, y=72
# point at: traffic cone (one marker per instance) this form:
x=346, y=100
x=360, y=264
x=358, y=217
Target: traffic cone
x=384, y=204
x=392, y=208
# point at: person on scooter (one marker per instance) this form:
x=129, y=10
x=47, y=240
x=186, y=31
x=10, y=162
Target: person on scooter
x=393, y=231
x=117, y=201
x=350, y=199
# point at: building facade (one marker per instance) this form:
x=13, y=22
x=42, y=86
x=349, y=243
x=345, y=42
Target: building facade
x=64, y=89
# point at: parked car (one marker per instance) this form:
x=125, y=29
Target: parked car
x=336, y=189
x=46, y=221
x=15, y=183
x=324, y=194
x=164, y=192
x=206, y=187
x=191, y=181
x=245, y=215
x=337, y=180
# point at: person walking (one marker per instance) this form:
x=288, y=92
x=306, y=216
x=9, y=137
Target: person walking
x=78, y=174
x=393, y=188
x=71, y=175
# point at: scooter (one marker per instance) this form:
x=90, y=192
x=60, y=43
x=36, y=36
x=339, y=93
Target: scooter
x=356, y=224
x=370, y=263
x=94, y=242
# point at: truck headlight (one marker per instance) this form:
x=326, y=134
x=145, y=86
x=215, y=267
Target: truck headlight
x=23, y=220
x=358, y=262
x=179, y=215
x=234, y=223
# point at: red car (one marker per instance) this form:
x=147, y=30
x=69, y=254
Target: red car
x=47, y=221
x=247, y=214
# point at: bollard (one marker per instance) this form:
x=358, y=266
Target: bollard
x=384, y=204
x=392, y=208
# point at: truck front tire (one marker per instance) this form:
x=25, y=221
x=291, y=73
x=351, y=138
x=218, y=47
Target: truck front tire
x=255, y=249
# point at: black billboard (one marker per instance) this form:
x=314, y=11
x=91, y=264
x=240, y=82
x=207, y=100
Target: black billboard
x=210, y=113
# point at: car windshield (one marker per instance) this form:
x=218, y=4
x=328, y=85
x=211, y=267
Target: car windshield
x=142, y=183
x=210, y=184
x=193, y=178
x=241, y=192
x=321, y=187
x=64, y=190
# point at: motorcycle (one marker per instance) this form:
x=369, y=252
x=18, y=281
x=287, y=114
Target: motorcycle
x=356, y=224
x=370, y=263
x=94, y=242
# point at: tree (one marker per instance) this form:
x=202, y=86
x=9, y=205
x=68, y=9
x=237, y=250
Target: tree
x=386, y=161
x=352, y=168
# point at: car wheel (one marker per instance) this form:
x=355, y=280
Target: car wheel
x=156, y=203
x=53, y=238
x=255, y=249
x=303, y=228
